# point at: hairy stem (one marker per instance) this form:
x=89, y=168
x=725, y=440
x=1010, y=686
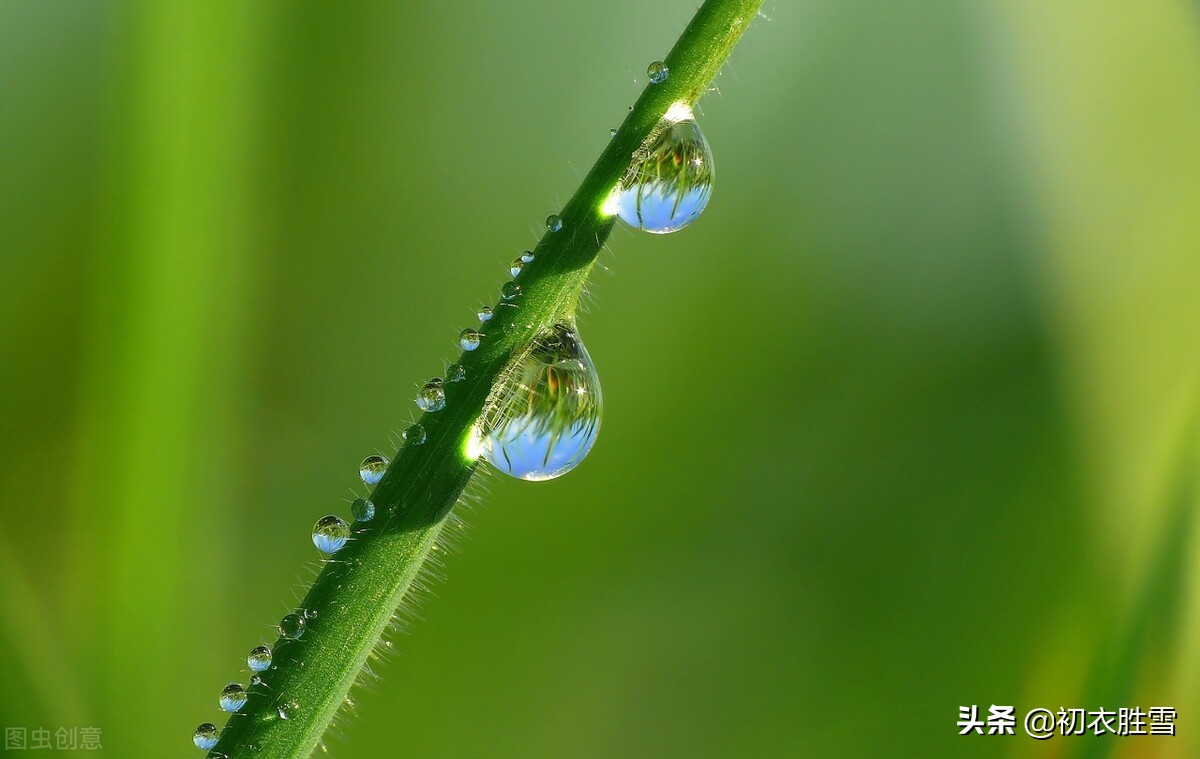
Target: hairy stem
x=358, y=591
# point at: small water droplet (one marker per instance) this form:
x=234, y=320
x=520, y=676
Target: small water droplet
x=527, y=256
x=330, y=534
x=205, y=736
x=469, y=339
x=415, y=435
x=542, y=418
x=255, y=680
x=233, y=698
x=372, y=468
x=288, y=710
x=657, y=72
x=612, y=133
x=515, y=267
x=510, y=290
x=455, y=373
x=259, y=658
x=553, y=222
x=485, y=313
x=670, y=180
x=362, y=510
x=432, y=397
x=310, y=614
x=292, y=626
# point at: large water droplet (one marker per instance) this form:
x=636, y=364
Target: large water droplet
x=362, y=510
x=542, y=417
x=432, y=397
x=469, y=339
x=233, y=697
x=259, y=658
x=510, y=290
x=372, y=468
x=205, y=736
x=553, y=222
x=670, y=180
x=415, y=435
x=330, y=534
x=658, y=72
x=292, y=626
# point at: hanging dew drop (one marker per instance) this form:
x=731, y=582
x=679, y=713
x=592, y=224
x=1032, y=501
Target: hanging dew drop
x=657, y=72
x=292, y=626
x=542, y=418
x=233, y=698
x=670, y=180
x=372, y=468
x=485, y=313
x=516, y=266
x=510, y=290
x=259, y=658
x=205, y=736
x=330, y=534
x=432, y=397
x=469, y=339
x=554, y=222
x=362, y=510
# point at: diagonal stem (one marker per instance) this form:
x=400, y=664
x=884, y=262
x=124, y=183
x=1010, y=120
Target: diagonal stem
x=358, y=592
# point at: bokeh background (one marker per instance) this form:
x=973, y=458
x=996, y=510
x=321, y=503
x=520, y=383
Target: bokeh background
x=903, y=423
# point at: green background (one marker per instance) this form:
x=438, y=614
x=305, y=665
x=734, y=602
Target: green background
x=901, y=424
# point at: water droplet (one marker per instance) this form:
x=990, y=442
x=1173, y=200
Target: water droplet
x=612, y=133
x=657, y=72
x=362, y=510
x=233, y=697
x=255, y=680
x=309, y=614
x=527, y=257
x=259, y=658
x=415, y=435
x=510, y=290
x=372, y=468
x=469, y=339
x=292, y=626
x=288, y=709
x=515, y=267
x=485, y=313
x=553, y=222
x=330, y=534
x=455, y=373
x=670, y=180
x=205, y=736
x=542, y=417
x=432, y=397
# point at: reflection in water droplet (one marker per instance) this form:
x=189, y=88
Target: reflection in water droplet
x=657, y=72
x=233, y=697
x=485, y=313
x=205, y=736
x=292, y=626
x=469, y=339
x=372, y=468
x=415, y=435
x=362, y=510
x=330, y=534
x=527, y=257
x=510, y=290
x=542, y=417
x=515, y=267
x=553, y=222
x=455, y=373
x=670, y=180
x=259, y=658
x=432, y=397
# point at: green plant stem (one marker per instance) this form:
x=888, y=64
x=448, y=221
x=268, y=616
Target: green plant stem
x=359, y=591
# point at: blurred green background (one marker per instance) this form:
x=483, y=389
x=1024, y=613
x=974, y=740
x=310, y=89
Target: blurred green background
x=902, y=424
